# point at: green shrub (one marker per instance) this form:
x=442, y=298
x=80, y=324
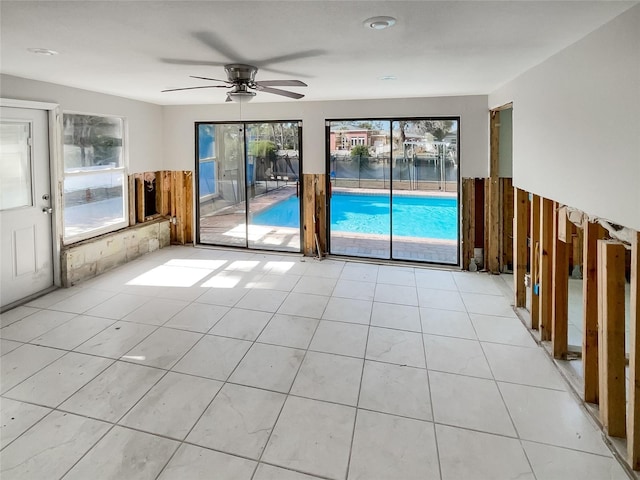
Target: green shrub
x=360, y=151
x=263, y=149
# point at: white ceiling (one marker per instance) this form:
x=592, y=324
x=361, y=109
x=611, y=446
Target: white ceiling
x=436, y=47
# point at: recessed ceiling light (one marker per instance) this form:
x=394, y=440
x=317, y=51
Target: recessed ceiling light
x=389, y=77
x=379, y=23
x=42, y=51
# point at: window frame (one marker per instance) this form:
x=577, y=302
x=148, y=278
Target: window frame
x=123, y=169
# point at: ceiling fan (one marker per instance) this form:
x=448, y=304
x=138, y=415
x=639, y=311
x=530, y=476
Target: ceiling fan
x=241, y=80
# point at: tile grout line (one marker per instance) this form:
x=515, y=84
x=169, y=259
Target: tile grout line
x=287, y=396
x=433, y=417
x=225, y=382
x=504, y=403
x=266, y=444
x=116, y=422
x=184, y=439
x=355, y=420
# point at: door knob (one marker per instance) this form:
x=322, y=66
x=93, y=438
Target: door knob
x=47, y=210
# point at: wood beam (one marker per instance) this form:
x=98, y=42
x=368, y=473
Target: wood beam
x=173, y=226
x=611, y=296
x=633, y=421
x=560, y=303
x=506, y=224
x=485, y=232
x=493, y=200
x=139, y=197
x=187, y=214
x=320, y=210
x=468, y=221
x=592, y=232
x=163, y=187
x=308, y=208
x=520, y=207
x=132, y=199
x=545, y=292
x=534, y=259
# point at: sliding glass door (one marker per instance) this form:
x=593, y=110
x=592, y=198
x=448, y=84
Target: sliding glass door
x=360, y=176
x=394, y=189
x=249, y=185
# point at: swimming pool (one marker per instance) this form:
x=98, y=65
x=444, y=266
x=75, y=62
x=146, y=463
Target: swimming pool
x=422, y=217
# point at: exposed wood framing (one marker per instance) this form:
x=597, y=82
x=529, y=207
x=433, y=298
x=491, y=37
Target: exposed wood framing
x=132, y=200
x=320, y=210
x=468, y=221
x=182, y=207
x=480, y=227
x=560, y=304
x=506, y=233
x=493, y=198
x=611, y=263
x=163, y=192
x=534, y=258
x=545, y=293
x=485, y=230
x=173, y=197
x=520, y=208
x=308, y=208
x=188, y=218
x=577, y=244
x=506, y=106
x=592, y=232
x=140, y=216
x=173, y=208
x=633, y=420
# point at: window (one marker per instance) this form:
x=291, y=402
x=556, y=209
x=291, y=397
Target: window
x=95, y=186
x=207, y=161
x=15, y=165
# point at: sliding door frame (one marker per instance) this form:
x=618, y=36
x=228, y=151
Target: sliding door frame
x=243, y=124
x=391, y=120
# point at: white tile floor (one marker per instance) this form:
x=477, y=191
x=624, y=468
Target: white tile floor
x=194, y=363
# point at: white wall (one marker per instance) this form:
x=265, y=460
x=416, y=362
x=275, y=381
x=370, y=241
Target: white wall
x=179, y=125
x=144, y=120
x=576, y=123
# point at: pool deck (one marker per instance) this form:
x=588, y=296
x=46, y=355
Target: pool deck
x=396, y=193
x=404, y=248
x=227, y=227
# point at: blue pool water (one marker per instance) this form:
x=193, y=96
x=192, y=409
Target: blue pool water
x=422, y=217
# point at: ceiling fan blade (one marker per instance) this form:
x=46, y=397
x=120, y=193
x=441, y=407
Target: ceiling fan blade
x=281, y=72
x=195, y=63
x=217, y=44
x=281, y=83
x=192, y=88
x=277, y=91
x=293, y=56
x=212, y=79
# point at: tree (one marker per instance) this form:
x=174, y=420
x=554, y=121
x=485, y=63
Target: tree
x=438, y=128
x=263, y=149
x=360, y=151
x=99, y=138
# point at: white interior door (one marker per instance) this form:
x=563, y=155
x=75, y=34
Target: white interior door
x=26, y=251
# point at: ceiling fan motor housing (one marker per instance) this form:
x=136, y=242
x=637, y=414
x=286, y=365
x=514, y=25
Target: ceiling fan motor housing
x=241, y=73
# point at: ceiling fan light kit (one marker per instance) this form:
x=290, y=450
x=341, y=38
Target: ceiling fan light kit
x=240, y=94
